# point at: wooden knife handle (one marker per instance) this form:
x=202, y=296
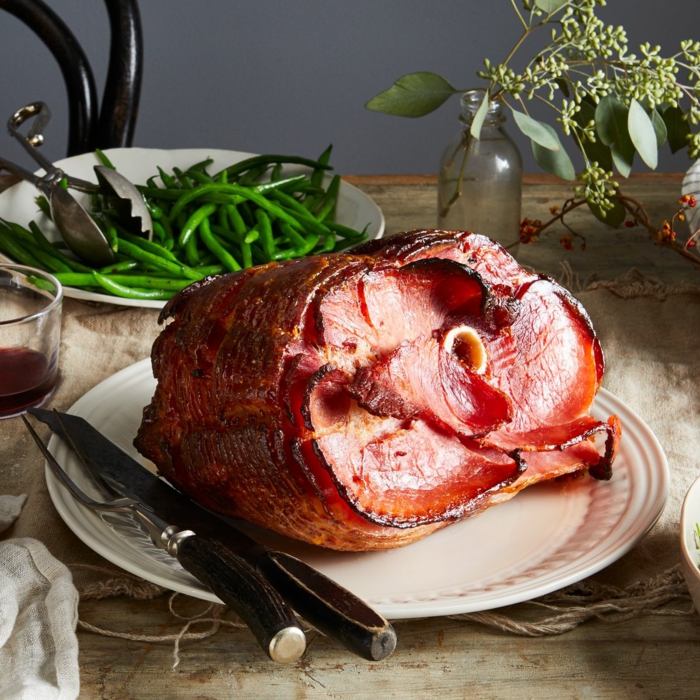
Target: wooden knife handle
x=246, y=592
x=329, y=607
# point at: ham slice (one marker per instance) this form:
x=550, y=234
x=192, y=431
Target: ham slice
x=361, y=401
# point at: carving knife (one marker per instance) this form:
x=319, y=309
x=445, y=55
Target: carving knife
x=332, y=609
x=233, y=579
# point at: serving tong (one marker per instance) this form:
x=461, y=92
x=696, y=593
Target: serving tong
x=230, y=577
x=79, y=230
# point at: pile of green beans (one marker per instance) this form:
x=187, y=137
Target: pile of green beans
x=204, y=224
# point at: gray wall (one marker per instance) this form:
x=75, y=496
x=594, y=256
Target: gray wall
x=292, y=77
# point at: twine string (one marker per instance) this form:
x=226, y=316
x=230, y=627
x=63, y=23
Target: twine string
x=664, y=595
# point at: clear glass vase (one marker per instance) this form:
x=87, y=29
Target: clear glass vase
x=480, y=180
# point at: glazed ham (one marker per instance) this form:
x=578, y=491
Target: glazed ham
x=362, y=401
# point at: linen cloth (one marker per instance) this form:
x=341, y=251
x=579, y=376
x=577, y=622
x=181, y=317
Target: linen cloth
x=38, y=616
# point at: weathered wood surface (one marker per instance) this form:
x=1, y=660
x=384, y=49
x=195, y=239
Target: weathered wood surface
x=649, y=658
x=646, y=658
x=410, y=202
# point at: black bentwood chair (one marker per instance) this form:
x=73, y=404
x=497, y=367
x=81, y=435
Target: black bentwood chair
x=114, y=125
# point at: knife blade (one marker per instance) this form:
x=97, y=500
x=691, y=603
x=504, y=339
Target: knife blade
x=331, y=608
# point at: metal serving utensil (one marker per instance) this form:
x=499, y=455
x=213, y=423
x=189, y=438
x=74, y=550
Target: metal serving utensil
x=127, y=198
x=79, y=230
x=233, y=580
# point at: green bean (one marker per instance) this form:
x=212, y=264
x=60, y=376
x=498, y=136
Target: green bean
x=176, y=269
x=190, y=226
x=246, y=253
x=44, y=206
x=103, y=159
x=168, y=181
x=159, y=232
x=276, y=173
x=196, y=176
x=266, y=187
x=82, y=279
x=327, y=203
x=245, y=192
x=265, y=229
x=121, y=290
x=20, y=232
x=216, y=248
x=147, y=245
x=249, y=163
x=317, y=175
x=304, y=218
x=346, y=232
x=109, y=230
x=121, y=266
x=44, y=244
x=50, y=262
x=328, y=244
x=202, y=165
x=253, y=175
x=344, y=243
x=162, y=193
x=226, y=233
x=154, y=210
x=236, y=220
x=11, y=246
x=191, y=252
x=303, y=245
x=208, y=270
x=183, y=179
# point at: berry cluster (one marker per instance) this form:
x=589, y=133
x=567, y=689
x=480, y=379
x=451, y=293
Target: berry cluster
x=529, y=230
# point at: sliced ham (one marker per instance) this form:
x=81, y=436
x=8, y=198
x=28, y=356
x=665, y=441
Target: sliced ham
x=363, y=400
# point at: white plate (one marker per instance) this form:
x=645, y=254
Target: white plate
x=548, y=536
x=354, y=208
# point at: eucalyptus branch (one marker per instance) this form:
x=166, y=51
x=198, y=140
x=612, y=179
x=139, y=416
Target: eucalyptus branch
x=520, y=17
x=613, y=103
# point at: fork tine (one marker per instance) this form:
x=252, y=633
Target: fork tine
x=57, y=468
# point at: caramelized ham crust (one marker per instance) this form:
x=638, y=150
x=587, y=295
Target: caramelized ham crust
x=361, y=401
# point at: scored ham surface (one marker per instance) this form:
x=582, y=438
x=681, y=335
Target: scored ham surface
x=362, y=401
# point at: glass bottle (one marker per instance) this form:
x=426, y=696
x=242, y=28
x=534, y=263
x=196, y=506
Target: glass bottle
x=480, y=180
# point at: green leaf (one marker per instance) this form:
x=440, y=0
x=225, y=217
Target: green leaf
x=611, y=118
x=678, y=128
x=413, y=95
x=536, y=131
x=613, y=217
x=555, y=162
x=623, y=158
x=478, y=121
x=550, y=6
x=642, y=133
x=659, y=128
x=596, y=151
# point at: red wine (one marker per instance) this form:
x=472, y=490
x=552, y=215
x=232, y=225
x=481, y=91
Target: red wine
x=26, y=379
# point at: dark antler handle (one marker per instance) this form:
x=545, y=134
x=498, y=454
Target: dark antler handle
x=329, y=607
x=247, y=593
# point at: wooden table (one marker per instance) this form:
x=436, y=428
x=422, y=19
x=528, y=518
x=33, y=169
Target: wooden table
x=644, y=658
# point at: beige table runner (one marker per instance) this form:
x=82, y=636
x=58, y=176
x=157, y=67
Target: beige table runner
x=650, y=335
